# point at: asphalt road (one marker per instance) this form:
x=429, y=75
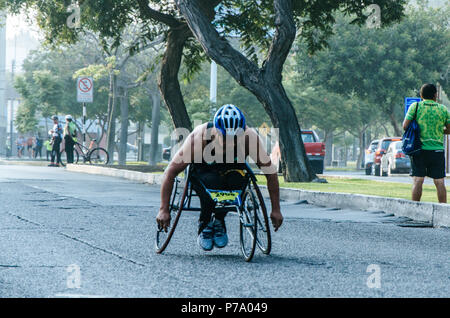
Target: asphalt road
x=53, y=223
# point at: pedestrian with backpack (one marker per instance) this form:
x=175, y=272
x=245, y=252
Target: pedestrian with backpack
x=70, y=137
x=432, y=121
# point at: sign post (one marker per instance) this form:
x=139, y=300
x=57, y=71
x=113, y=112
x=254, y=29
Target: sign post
x=409, y=101
x=85, y=94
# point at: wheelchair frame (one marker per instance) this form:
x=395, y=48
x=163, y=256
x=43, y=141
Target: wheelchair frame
x=253, y=218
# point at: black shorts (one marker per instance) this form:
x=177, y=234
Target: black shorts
x=203, y=178
x=428, y=163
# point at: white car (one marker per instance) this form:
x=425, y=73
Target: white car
x=370, y=156
x=395, y=160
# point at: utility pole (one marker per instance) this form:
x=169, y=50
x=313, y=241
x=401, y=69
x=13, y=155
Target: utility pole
x=11, y=118
x=213, y=89
x=3, y=100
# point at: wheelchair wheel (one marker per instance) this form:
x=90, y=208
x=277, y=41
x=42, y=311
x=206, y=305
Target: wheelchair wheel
x=248, y=225
x=263, y=236
x=179, y=193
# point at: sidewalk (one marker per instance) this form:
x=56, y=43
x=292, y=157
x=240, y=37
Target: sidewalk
x=435, y=214
x=23, y=161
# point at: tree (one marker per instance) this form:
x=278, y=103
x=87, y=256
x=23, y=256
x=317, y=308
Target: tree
x=272, y=24
x=110, y=18
x=383, y=66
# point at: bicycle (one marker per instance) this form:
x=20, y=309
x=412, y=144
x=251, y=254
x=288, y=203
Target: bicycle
x=92, y=154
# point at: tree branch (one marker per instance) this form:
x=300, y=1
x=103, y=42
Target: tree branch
x=285, y=32
x=149, y=13
x=218, y=48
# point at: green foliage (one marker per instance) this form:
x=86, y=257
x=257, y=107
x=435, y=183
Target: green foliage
x=26, y=118
x=196, y=93
x=381, y=66
x=253, y=21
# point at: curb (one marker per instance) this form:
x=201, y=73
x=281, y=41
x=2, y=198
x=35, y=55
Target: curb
x=433, y=213
x=137, y=176
x=24, y=163
x=436, y=214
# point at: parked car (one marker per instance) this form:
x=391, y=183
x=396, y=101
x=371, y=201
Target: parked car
x=315, y=150
x=369, y=156
x=166, y=153
x=383, y=145
x=395, y=160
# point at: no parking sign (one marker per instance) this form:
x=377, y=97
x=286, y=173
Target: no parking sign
x=85, y=90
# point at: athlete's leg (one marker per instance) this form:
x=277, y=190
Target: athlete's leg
x=200, y=180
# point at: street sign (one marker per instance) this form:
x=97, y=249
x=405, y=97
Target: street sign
x=409, y=101
x=264, y=129
x=85, y=90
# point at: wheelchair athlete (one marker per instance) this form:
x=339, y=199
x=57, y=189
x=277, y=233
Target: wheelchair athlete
x=215, y=150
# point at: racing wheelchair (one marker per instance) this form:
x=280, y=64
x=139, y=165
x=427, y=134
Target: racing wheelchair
x=247, y=202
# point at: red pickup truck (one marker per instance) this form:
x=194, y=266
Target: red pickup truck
x=315, y=150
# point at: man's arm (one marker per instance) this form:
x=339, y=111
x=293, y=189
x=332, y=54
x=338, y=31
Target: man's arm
x=183, y=157
x=409, y=116
x=447, y=129
x=406, y=123
x=259, y=154
x=176, y=165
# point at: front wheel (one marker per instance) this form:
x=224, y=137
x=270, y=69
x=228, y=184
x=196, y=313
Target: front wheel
x=263, y=236
x=376, y=170
x=98, y=156
x=248, y=225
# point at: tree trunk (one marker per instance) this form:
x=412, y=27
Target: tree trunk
x=395, y=124
x=168, y=79
x=265, y=83
x=328, y=147
x=155, y=128
x=111, y=129
x=139, y=141
x=123, y=126
x=361, y=150
x=294, y=162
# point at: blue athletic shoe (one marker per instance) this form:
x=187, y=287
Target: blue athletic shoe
x=205, y=238
x=220, y=234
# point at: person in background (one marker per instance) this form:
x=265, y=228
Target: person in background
x=56, y=132
x=19, y=144
x=70, y=137
x=48, y=147
x=434, y=121
x=38, y=147
x=29, y=143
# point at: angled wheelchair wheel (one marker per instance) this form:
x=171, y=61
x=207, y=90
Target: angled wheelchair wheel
x=263, y=235
x=179, y=193
x=248, y=225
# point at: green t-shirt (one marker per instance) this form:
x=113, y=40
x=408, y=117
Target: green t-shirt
x=432, y=118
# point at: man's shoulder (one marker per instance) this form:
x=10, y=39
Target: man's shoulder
x=443, y=107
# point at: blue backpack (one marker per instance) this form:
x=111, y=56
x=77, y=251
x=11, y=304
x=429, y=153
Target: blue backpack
x=411, y=137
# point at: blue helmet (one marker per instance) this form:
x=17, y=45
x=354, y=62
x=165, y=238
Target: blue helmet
x=229, y=120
